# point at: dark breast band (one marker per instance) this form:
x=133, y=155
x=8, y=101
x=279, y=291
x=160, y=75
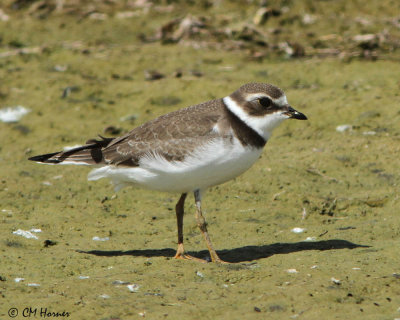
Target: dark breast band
x=246, y=135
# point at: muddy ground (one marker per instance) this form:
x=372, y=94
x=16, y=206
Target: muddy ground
x=84, y=71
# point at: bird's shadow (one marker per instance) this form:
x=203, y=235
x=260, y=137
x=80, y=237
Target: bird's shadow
x=242, y=254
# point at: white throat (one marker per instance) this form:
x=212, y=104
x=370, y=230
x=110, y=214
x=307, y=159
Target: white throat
x=263, y=125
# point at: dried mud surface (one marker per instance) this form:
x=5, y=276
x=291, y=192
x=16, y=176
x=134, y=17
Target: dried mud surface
x=335, y=176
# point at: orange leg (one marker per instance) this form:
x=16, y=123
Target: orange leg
x=180, y=252
x=201, y=223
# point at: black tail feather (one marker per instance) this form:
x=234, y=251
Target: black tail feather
x=91, y=152
x=45, y=158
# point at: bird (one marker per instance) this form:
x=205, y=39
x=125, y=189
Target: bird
x=188, y=150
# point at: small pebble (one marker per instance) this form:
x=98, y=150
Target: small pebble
x=119, y=282
x=25, y=234
x=310, y=239
x=298, y=230
x=344, y=127
x=291, y=271
x=100, y=239
x=33, y=285
x=13, y=114
x=335, y=281
x=133, y=287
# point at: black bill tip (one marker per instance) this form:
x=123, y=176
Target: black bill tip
x=294, y=114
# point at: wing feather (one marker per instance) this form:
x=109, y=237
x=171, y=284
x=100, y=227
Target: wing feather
x=172, y=136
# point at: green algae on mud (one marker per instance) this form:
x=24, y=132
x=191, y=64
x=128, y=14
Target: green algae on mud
x=344, y=184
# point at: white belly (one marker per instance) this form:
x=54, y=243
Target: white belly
x=214, y=163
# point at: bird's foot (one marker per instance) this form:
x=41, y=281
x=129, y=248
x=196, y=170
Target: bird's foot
x=184, y=256
x=180, y=254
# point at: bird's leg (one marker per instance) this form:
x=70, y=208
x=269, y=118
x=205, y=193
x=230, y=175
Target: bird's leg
x=179, y=209
x=201, y=223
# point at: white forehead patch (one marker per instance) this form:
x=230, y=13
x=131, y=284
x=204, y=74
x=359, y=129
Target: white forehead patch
x=281, y=101
x=262, y=125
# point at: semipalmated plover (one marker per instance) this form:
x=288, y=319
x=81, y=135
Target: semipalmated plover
x=188, y=150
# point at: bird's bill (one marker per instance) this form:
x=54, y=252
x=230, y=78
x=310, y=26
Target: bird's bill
x=294, y=114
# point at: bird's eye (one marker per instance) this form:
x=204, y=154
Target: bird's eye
x=265, y=102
